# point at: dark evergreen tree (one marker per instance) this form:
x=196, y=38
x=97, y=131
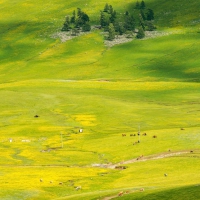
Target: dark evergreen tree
x=113, y=16
x=150, y=26
x=85, y=18
x=86, y=27
x=141, y=22
x=143, y=15
x=110, y=9
x=129, y=22
x=79, y=12
x=102, y=19
x=106, y=8
x=150, y=15
x=82, y=18
x=119, y=28
x=66, y=25
x=140, y=33
x=111, y=32
x=126, y=13
x=142, y=5
x=73, y=18
x=137, y=5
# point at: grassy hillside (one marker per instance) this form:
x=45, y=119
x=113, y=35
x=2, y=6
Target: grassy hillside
x=106, y=91
x=29, y=51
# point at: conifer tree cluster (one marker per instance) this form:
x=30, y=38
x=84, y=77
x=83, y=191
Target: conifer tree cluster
x=139, y=20
x=79, y=20
x=146, y=16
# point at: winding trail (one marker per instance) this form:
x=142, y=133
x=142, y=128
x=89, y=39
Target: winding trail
x=115, y=165
x=143, y=158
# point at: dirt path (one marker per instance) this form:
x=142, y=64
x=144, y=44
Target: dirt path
x=142, y=159
x=114, y=166
x=122, y=193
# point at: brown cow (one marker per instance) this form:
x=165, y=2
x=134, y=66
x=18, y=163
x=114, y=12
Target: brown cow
x=120, y=194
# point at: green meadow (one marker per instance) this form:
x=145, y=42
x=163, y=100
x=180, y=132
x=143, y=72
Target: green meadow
x=50, y=90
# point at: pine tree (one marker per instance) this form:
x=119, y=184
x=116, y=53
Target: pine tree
x=137, y=5
x=129, y=22
x=86, y=27
x=150, y=26
x=66, y=25
x=143, y=15
x=110, y=9
x=79, y=12
x=106, y=8
x=102, y=19
x=141, y=22
x=141, y=33
x=150, y=15
x=85, y=18
x=73, y=18
x=82, y=18
x=111, y=32
x=113, y=16
x=142, y=5
x=119, y=28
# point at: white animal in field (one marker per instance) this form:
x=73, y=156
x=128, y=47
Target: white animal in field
x=78, y=188
x=80, y=130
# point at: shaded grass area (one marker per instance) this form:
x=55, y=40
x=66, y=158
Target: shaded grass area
x=150, y=83
x=189, y=193
x=29, y=51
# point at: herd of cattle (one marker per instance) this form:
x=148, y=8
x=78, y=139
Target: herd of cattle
x=144, y=134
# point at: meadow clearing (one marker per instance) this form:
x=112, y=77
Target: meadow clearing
x=51, y=89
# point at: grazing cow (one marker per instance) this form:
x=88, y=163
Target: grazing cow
x=123, y=135
x=144, y=134
x=191, y=151
x=182, y=129
x=120, y=194
x=141, y=189
x=131, y=134
x=154, y=136
x=36, y=116
x=60, y=183
x=120, y=167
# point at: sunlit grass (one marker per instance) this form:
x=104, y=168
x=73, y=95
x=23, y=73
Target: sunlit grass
x=150, y=84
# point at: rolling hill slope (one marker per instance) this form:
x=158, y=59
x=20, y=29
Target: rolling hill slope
x=51, y=89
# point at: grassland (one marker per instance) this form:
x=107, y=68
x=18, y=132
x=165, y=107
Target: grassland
x=151, y=83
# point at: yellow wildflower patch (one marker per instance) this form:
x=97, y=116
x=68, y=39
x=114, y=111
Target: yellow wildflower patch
x=85, y=120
